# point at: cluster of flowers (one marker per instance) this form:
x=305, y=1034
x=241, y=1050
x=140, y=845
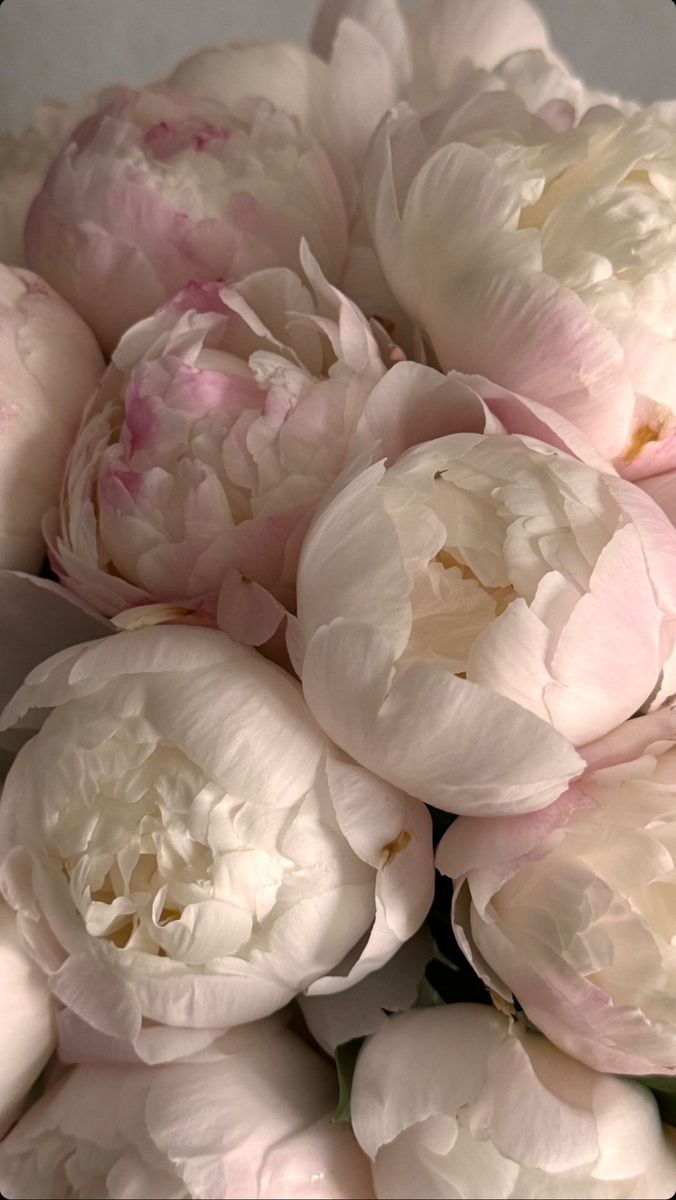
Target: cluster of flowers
x=340, y=387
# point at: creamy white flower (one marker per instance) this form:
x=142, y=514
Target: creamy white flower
x=256, y=1124
x=459, y=1102
x=27, y=1025
x=460, y=615
x=184, y=847
x=544, y=261
x=414, y=54
x=438, y=50
x=574, y=908
x=49, y=366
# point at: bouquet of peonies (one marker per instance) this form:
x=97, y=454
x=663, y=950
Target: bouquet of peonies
x=339, y=387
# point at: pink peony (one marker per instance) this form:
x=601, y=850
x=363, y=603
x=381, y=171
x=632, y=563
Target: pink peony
x=159, y=188
x=219, y=427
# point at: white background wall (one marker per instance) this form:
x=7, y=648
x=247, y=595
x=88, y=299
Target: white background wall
x=67, y=48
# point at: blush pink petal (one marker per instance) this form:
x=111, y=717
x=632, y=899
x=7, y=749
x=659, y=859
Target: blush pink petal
x=255, y=1124
x=220, y=426
x=159, y=188
x=464, y=750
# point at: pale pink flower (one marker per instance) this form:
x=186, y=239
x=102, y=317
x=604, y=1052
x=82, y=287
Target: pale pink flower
x=573, y=909
x=413, y=53
x=461, y=1101
x=159, y=188
x=544, y=261
x=186, y=850
x=221, y=424
x=462, y=613
x=49, y=366
x=255, y=1125
x=378, y=53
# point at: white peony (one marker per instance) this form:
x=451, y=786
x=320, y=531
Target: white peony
x=460, y=614
x=543, y=260
x=256, y=1124
x=185, y=849
x=462, y=1102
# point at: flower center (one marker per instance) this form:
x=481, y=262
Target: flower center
x=158, y=858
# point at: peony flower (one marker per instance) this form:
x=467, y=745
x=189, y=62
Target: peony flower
x=185, y=849
x=256, y=1124
x=368, y=57
x=49, y=366
x=159, y=188
x=219, y=427
x=544, y=261
x=460, y=616
x=460, y=1101
x=574, y=908
x=26, y=1021
x=440, y=51
x=433, y=52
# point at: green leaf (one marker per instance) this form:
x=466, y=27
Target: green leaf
x=428, y=996
x=346, y=1061
x=663, y=1088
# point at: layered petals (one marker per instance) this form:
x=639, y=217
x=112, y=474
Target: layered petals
x=539, y=257
x=572, y=909
x=185, y=849
x=220, y=425
x=459, y=1101
x=159, y=188
x=257, y=1125
x=459, y=615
